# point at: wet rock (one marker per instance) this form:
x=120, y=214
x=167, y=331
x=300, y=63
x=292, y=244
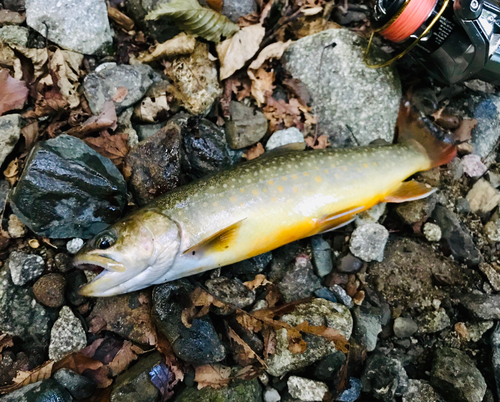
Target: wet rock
x=24, y=267
x=271, y=395
x=234, y=9
x=325, y=293
x=406, y=276
x=404, y=327
x=204, y=149
x=384, y=377
x=352, y=393
x=68, y=190
x=42, y=391
x=230, y=291
x=252, y=266
x=433, y=321
x=199, y=344
x=248, y=391
x=482, y=306
x=317, y=312
x=154, y=165
x=245, y=127
x=126, y=315
x=416, y=211
x=196, y=77
x=457, y=237
x=14, y=35
x=455, y=376
x=432, y=232
x=329, y=366
x=284, y=137
x=299, y=280
x=75, y=280
x=483, y=197
x=67, y=335
x=80, y=387
x=367, y=325
x=349, y=264
x=102, y=85
x=306, y=390
x=421, y=391
x=134, y=385
x=82, y=27
x=137, y=9
x=64, y=262
x=21, y=315
x=10, y=131
x=282, y=257
x=472, y=166
x=322, y=256
x=74, y=245
x=346, y=92
x=368, y=242
x=49, y=290
x=340, y=294
x=144, y=131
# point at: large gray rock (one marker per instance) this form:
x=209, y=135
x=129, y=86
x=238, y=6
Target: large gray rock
x=346, y=93
x=102, y=85
x=81, y=26
x=456, y=377
x=68, y=190
x=42, y=391
x=10, y=131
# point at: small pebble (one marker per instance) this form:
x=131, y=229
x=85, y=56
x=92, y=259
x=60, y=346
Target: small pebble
x=483, y=197
x=368, y=242
x=492, y=231
x=34, y=243
x=25, y=267
x=16, y=228
x=74, y=245
x=271, y=395
x=432, y=232
x=352, y=393
x=404, y=327
x=473, y=166
x=340, y=293
x=49, y=290
x=349, y=264
x=67, y=335
x=284, y=137
x=304, y=389
x=325, y=293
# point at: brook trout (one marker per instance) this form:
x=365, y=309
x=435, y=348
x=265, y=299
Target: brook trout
x=257, y=206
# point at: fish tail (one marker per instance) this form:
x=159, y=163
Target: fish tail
x=430, y=140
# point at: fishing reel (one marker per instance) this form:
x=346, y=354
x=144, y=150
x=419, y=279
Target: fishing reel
x=454, y=40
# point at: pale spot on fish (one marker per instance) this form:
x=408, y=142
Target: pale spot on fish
x=280, y=189
x=215, y=204
x=344, y=168
x=306, y=174
x=295, y=189
x=224, y=185
x=255, y=192
x=294, y=176
x=242, y=190
x=365, y=165
x=270, y=182
x=274, y=199
x=318, y=179
x=232, y=199
x=326, y=170
x=283, y=178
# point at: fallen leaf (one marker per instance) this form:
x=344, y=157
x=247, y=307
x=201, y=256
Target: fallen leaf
x=244, y=355
x=164, y=346
x=30, y=133
x=299, y=89
x=12, y=172
x=151, y=109
x=126, y=355
x=262, y=84
x=254, y=152
x=107, y=119
x=6, y=341
x=463, y=132
x=259, y=281
x=119, y=96
x=272, y=51
x=216, y=5
x=13, y=92
x=114, y=147
x=195, y=19
x=38, y=374
x=320, y=143
x=39, y=59
x=212, y=375
x=66, y=66
x=120, y=18
x=199, y=298
x=311, y=10
x=182, y=44
x=236, y=51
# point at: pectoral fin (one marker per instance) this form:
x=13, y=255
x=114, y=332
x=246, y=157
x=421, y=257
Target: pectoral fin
x=337, y=220
x=409, y=191
x=217, y=242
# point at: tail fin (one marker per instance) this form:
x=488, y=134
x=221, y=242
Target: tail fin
x=432, y=141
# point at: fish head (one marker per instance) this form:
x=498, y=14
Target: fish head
x=133, y=253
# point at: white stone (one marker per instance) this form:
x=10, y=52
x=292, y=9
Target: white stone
x=483, y=197
x=16, y=228
x=432, y=232
x=74, y=245
x=67, y=335
x=368, y=242
x=305, y=389
x=283, y=137
x=271, y=395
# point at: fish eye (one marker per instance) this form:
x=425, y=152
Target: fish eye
x=105, y=241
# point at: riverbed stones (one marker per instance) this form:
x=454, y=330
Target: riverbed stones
x=246, y=126
x=67, y=335
x=368, y=242
x=24, y=267
x=10, y=131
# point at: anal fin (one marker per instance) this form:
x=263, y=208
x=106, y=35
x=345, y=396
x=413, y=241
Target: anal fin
x=337, y=220
x=217, y=242
x=409, y=191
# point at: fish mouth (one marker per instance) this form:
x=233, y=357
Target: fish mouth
x=96, y=260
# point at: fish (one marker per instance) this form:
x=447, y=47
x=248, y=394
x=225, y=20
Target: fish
x=257, y=206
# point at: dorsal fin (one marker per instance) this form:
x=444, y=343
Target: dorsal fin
x=217, y=242
x=409, y=191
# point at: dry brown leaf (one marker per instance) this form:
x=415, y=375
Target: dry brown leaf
x=199, y=298
x=78, y=363
x=114, y=147
x=182, y=44
x=320, y=143
x=254, y=152
x=463, y=133
x=299, y=89
x=237, y=50
x=121, y=19
x=273, y=51
x=12, y=172
x=212, y=375
x=8, y=59
x=244, y=353
x=5, y=342
x=126, y=355
x=164, y=346
x=66, y=66
x=216, y=5
x=107, y=119
x=13, y=92
x=260, y=280
x=39, y=59
x=30, y=133
x=119, y=96
x=262, y=84
x=38, y=374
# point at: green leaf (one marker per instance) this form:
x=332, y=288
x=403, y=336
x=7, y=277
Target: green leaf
x=196, y=20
